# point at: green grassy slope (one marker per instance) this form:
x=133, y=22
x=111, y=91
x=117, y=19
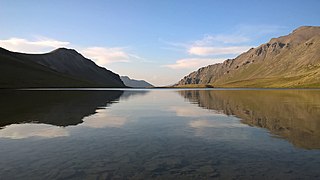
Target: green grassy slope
x=291, y=61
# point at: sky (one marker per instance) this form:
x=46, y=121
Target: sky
x=160, y=41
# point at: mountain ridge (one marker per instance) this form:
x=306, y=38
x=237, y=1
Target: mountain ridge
x=135, y=83
x=287, y=61
x=59, y=68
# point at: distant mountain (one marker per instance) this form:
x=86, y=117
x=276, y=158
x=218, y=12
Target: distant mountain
x=287, y=61
x=59, y=68
x=135, y=83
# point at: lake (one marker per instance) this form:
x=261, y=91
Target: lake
x=160, y=134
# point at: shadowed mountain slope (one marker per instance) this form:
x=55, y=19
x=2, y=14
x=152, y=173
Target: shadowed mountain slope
x=59, y=68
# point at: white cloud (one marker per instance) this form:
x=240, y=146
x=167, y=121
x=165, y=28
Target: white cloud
x=103, y=55
x=211, y=51
x=193, y=63
x=39, y=45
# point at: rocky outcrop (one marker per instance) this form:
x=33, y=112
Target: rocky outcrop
x=287, y=61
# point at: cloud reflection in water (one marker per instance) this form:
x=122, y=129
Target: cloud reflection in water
x=103, y=119
x=21, y=131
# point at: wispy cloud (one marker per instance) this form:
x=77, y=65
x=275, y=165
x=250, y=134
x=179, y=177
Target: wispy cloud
x=221, y=44
x=193, y=63
x=211, y=51
x=174, y=44
x=221, y=39
x=238, y=41
x=256, y=31
x=108, y=55
x=212, y=45
x=39, y=45
x=103, y=55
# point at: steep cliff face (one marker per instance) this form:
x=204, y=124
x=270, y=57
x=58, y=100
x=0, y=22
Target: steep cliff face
x=287, y=61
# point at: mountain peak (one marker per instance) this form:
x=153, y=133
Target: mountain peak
x=299, y=35
x=64, y=50
x=307, y=31
x=304, y=28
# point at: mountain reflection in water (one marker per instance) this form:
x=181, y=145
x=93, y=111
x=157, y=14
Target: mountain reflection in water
x=59, y=108
x=290, y=114
x=158, y=134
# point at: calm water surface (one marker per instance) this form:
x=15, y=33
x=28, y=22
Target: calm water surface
x=160, y=134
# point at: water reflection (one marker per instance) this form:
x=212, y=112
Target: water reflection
x=291, y=114
x=21, y=131
x=103, y=119
x=44, y=114
x=59, y=108
x=133, y=93
x=190, y=111
x=204, y=123
x=153, y=134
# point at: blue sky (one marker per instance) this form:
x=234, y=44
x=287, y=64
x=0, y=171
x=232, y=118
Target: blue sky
x=159, y=41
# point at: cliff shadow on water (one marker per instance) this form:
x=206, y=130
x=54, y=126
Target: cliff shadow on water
x=290, y=114
x=59, y=108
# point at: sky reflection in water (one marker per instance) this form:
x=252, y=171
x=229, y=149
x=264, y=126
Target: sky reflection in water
x=160, y=134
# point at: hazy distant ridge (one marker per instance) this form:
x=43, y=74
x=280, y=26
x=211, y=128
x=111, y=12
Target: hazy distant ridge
x=135, y=83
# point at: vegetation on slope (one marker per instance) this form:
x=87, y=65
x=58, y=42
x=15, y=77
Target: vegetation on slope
x=287, y=61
